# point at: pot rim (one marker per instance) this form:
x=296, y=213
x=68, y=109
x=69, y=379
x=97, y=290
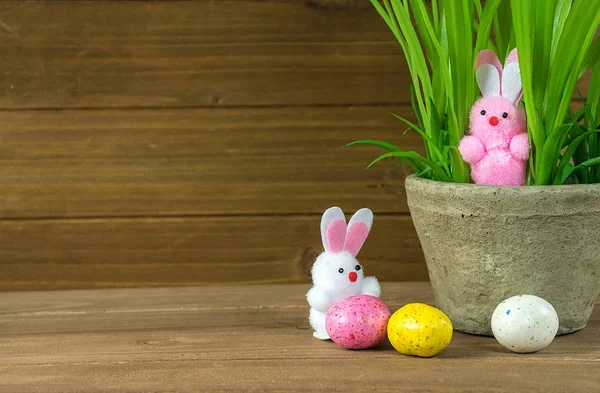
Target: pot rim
x=504, y=189
x=523, y=201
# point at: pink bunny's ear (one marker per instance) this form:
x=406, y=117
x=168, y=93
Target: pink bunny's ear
x=488, y=72
x=512, y=88
x=513, y=57
x=358, y=230
x=333, y=230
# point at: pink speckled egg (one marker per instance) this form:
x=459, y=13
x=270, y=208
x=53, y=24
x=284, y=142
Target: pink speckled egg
x=358, y=322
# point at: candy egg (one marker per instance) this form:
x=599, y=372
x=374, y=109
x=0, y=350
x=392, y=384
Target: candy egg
x=420, y=330
x=525, y=323
x=357, y=322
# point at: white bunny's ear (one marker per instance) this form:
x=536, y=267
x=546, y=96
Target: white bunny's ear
x=512, y=87
x=488, y=72
x=358, y=230
x=333, y=230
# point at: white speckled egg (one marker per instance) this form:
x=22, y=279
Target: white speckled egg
x=525, y=323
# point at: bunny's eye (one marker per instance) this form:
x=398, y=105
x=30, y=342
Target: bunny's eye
x=357, y=267
x=341, y=270
x=482, y=112
x=505, y=115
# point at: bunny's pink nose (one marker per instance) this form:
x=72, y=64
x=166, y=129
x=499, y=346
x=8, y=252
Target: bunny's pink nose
x=494, y=121
x=352, y=276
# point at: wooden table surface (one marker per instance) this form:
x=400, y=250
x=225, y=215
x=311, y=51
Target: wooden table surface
x=252, y=338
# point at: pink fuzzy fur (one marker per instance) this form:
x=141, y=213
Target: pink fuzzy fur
x=472, y=149
x=497, y=147
x=519, y=146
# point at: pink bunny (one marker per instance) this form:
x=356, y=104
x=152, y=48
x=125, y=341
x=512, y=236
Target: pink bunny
x=336, y=273
x=497, y=147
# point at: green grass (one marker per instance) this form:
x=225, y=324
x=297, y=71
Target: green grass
x=440, y=40
x=580, y=162
x=554, y=39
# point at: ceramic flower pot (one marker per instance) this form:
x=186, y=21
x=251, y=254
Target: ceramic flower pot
x=484, y=244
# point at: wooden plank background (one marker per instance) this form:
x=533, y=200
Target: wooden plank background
x=195, y=142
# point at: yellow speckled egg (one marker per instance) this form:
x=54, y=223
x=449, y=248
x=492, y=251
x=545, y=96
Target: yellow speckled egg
x=420, y=330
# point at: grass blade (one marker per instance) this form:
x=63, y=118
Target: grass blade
x=566, y=158
x=460, y=170
x=373, y=142
x=412, y=155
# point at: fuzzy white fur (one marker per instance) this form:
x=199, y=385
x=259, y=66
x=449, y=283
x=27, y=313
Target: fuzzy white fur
x=335, y=275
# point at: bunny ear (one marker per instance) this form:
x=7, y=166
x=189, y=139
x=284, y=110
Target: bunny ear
x=512, y=88
x=358, y=229
x=333, y=230
x=488, y=72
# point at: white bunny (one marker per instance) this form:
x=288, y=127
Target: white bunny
x=336, y=273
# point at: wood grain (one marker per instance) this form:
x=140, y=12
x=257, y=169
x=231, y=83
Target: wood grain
x=194, y=142
x=88, y=253
x=195, y=53
x=115, y=163
x=254, y=338
x=101, y=54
